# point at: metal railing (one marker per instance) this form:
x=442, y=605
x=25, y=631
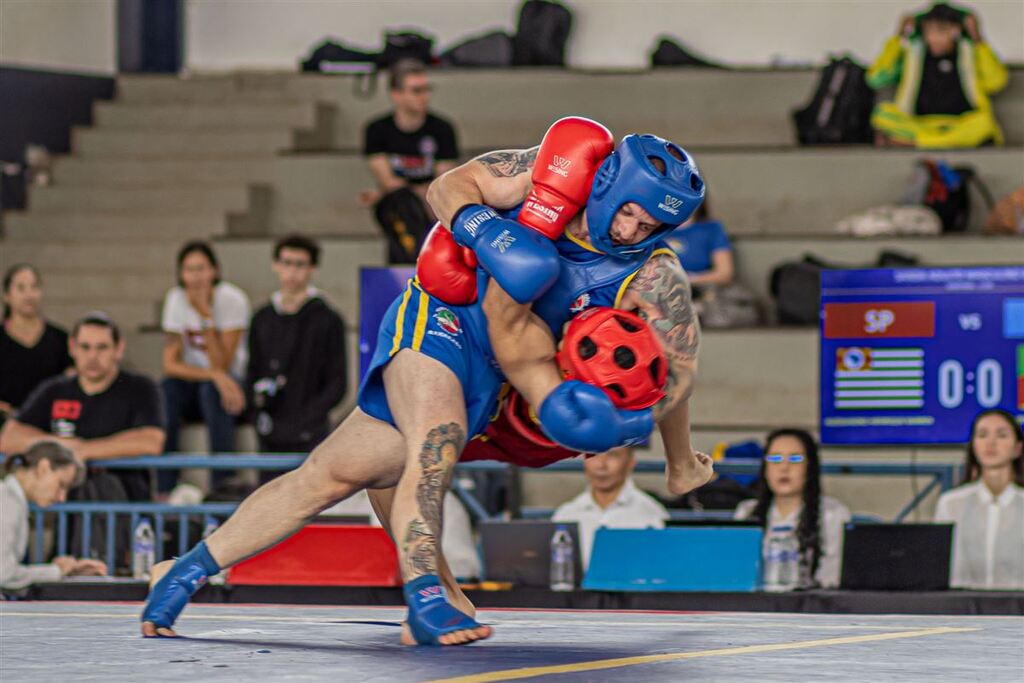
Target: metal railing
x=942, y=476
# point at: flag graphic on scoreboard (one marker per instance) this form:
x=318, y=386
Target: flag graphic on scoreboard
x=879, y=378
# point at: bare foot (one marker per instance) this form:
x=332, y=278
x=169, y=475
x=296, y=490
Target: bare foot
x=691, y=476
x=149, y=629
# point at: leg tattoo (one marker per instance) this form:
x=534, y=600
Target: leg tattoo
x=438, y=456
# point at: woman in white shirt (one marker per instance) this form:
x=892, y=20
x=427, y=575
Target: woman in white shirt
x=204, y=355
x=42, y=475
x=789, y=501
x=987, y=511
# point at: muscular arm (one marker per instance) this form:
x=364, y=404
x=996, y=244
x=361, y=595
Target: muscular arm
x=660, y=294
x=500, y=180
x=522, y=344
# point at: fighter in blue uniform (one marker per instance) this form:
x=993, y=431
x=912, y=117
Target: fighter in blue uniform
x=439, y=382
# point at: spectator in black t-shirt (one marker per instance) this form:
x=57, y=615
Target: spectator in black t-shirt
x=405, y=150
x=99, y=413
x=297, y=367
x=31, y=349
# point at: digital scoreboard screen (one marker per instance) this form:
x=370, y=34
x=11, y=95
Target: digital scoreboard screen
x=913, y=355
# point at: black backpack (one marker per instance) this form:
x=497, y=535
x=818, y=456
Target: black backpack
x=671, y=53
x=329, y=51
x=409, y=45
x=947, y=192
x=796, y=285
x=403, y=218
x=491, y=50
x=542, y=34
x=840, y=111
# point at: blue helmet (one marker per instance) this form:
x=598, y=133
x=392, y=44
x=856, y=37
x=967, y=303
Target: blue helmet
x=628, y=175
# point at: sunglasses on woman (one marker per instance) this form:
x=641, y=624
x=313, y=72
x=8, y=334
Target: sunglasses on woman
x=775, y=457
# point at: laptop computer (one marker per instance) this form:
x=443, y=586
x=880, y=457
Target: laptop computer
x=911, y=557
x=520, y=551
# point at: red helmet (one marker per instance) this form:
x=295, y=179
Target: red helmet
x=616, y=351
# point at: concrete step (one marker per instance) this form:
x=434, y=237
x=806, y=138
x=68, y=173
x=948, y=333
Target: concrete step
x=114, y=284
x=809, y=190
x=103, y=143
x=508, y=108
x=166, y=199
x=151, y=256
x=128, y=116
x=106, y=172
x=756, y=257
x=129, y=315
x=126, y=227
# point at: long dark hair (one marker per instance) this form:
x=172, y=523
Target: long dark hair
x=203, y=248
x=808, y=529
x=9, y=278
x=972, y=467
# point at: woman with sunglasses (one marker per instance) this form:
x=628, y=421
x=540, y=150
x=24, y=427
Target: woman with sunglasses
x=791, y=508
x=987, y=510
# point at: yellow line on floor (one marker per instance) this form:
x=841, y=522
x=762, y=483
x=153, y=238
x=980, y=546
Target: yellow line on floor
x=529, y=672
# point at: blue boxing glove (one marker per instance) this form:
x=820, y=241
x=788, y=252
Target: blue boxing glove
x=521, y=260
x=581, y=417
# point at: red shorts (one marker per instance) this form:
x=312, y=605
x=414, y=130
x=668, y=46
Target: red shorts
x=505, y=441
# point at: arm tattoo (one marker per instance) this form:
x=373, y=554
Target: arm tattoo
x=438, y=456
x=661, y=294
x=506, y=164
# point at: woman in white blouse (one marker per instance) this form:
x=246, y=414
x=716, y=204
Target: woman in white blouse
x=987, y=511
x=789, y=498
x=42, y=475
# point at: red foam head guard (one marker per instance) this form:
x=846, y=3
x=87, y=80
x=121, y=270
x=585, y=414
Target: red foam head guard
x=616, y=351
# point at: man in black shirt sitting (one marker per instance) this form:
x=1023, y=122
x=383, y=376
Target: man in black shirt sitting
x=98, y=413
x=405, y=150
x=297, y=367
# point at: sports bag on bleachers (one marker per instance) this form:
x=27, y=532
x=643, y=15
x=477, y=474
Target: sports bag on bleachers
x=542, y=34
x=946, y=190
x=491, y=50
x=840, y=111
x=408, y=45
x=796, y=285
x=404, y=221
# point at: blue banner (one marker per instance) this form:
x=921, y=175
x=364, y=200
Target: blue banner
x=378, y=288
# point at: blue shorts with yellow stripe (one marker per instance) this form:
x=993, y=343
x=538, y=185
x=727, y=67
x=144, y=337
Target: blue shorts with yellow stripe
x=453, y=335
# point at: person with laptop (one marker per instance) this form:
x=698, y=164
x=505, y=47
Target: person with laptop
x=987, y=510
x=611, y=500
x=792, y=510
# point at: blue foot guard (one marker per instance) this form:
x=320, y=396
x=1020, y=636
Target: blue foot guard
x=430, y=614
x=171, y=593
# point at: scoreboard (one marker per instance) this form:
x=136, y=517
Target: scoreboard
x=378, y=287
x=912, y=355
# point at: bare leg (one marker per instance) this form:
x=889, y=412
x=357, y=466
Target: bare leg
x=426, y=400
x=381, y=499
x=362, y=452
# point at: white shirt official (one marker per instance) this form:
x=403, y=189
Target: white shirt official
x=988, y=536
x=632, y=509
x=834, y=515
x=15, y=575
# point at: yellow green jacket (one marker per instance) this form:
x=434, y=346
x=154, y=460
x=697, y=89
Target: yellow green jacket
x=902, y=63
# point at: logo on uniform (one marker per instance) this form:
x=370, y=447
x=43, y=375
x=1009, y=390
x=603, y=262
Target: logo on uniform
x=560, y=165
x=671, y=205
x=447, y=321
x=548, y=213
x=503, y=241
x=581, y=302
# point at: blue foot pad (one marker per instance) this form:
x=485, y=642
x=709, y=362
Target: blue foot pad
x=430, y=614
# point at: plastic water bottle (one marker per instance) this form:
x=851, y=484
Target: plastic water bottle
x=563, y=570
x=143, y=550
x=782, y=560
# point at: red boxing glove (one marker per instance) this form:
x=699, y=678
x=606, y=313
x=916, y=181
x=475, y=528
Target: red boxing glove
x=445, y=270
x=572, y=151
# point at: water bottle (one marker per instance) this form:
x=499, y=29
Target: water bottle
x=563, y=570
x=143, y=550
x=781, y=560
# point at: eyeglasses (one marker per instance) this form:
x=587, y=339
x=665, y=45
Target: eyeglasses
x=776, y=457
x=293, y=264
x=421, y=89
